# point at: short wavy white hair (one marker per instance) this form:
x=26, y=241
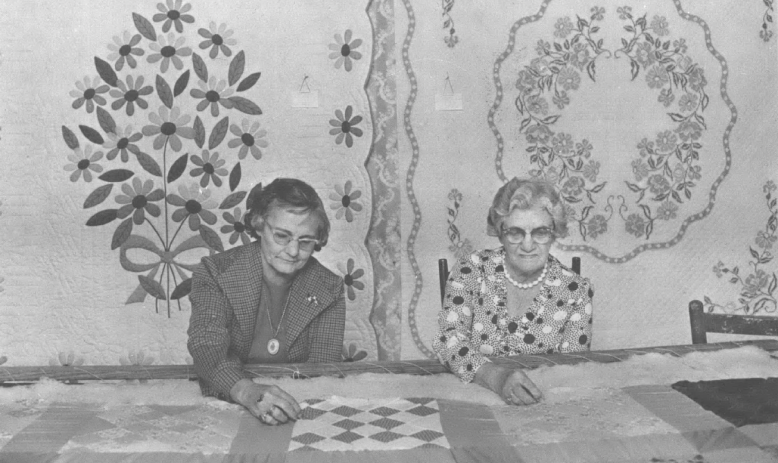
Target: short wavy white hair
x=524, y=194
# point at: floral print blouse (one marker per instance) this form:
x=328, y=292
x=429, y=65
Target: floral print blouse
x=474, y=321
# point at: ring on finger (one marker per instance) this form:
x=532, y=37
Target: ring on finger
x=266, y=417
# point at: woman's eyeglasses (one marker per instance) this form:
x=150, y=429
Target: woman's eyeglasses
x=283, y=239
x=541, y=235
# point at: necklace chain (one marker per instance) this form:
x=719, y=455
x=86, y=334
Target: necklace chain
x=267, y=306
x=267, y=310
x=526, y=285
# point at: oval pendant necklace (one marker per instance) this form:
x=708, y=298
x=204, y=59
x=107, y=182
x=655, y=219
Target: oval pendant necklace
x=274, y=345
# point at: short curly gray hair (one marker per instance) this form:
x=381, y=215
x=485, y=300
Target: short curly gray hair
x=285, y=193
x=523, y=194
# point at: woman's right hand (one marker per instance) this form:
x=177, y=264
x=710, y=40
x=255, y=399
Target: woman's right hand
x=271, y=404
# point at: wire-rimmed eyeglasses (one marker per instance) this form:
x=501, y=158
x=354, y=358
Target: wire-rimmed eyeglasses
x=283, y=238
x=540, y=235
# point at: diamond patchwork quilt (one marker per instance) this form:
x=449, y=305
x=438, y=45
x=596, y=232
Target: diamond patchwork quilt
x=362, y=424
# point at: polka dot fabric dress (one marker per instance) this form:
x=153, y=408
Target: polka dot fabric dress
x=474, y=321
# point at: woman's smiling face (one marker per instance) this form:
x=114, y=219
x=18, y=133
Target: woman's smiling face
x=527, y=258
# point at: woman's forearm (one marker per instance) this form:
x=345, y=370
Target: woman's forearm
x=492, y=377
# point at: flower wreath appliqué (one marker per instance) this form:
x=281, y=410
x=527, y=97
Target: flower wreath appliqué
x=667, y=170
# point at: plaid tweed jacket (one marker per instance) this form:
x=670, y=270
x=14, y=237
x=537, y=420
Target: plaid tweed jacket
x=225, y=296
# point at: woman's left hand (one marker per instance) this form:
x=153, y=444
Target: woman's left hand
x=513, y=386
x=520, y=390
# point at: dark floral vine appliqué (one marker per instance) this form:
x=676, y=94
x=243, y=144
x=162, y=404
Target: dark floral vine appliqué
x=766, y=33
x=461, y=247
x=668, y=168
x=555, y=74
x=757, y=288
x=448, y=23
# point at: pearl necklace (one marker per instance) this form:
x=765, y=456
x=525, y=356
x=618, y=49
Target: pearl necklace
x=526, y=285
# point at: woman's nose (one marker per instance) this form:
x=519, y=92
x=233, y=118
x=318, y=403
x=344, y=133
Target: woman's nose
x=293, y=248
x=527, y=243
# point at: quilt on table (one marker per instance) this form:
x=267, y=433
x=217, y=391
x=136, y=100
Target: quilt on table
x=740, y=401
x=414, y=428
x=362, y=424
x=652, y=423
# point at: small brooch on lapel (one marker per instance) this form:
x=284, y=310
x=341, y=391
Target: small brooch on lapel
x=312, y=300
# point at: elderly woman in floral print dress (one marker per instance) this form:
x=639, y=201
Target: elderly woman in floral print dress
x=515, y=299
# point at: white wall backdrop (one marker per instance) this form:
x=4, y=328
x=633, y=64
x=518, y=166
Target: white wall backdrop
x=656, y=120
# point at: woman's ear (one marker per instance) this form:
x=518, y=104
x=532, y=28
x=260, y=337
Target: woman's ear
x=257, y=223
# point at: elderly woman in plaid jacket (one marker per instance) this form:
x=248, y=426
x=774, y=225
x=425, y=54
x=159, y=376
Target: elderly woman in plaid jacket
x=269, y=301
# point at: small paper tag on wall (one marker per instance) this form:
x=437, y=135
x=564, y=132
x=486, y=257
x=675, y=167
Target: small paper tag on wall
x=305, y=99
x=448, y=102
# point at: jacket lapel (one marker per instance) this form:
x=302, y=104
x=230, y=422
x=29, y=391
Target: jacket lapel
x=242, y=284
x=307, y=299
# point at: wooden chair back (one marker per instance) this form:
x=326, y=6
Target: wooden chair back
x=703, y=323
x=443, y=274
x=442, y=277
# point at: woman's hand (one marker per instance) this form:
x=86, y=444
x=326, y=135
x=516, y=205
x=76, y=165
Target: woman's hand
x=513, y=386
x=271, y=404
x=518, y=389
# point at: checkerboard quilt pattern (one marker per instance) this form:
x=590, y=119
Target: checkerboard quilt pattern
x=338, y=424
